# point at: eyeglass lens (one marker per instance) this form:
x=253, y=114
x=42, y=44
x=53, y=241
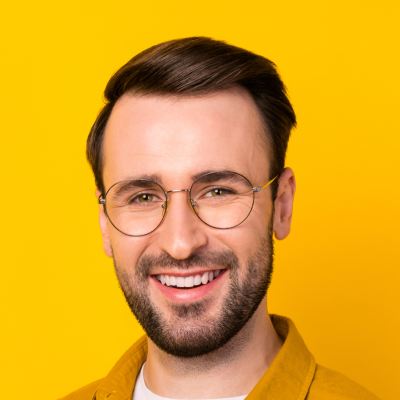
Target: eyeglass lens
x=221, y=200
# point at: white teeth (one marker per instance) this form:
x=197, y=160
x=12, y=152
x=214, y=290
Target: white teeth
x=189, y=281
x=180, y=281
x=197, y=280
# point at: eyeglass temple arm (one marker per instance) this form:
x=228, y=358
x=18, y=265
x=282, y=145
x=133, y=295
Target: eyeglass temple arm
x=102, y=201
x=259, y=188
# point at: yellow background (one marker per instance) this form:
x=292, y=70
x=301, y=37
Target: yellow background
x=64, y=320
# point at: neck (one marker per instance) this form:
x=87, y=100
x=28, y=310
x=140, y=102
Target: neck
x=233, y=370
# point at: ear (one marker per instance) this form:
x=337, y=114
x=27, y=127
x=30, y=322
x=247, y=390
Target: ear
x=284, y=204
x=104, y=228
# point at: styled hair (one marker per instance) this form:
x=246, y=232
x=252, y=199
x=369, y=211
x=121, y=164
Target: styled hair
x=198, y=66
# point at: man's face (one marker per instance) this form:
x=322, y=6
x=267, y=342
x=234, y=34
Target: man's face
x=176, y=139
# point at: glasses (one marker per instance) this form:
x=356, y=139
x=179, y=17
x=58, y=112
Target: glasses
x=222, y=200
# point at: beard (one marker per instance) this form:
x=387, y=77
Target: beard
x=191, y=331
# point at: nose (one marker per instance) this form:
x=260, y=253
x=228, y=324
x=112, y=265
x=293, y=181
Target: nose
x=181, y=233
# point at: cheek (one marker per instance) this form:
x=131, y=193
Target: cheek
x=245, y=238
x=260, y=217
x=126, y=249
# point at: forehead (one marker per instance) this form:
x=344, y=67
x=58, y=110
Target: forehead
x=177, y=138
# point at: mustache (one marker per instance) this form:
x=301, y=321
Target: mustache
x=222, y=259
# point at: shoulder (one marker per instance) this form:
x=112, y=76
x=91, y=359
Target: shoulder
x=127, y=367
x=85, y=393
x=331, y=385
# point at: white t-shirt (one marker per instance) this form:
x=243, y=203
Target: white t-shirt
x=141, y=391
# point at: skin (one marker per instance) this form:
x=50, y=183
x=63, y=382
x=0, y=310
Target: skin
x=176, y=139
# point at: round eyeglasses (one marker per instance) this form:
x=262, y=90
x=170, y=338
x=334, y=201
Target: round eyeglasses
x=222, y=200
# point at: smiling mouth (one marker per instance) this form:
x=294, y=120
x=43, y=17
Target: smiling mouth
x=181, y=282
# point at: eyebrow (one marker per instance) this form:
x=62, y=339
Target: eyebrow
x=205, y=172
x=225, y=176
x=157, y=179
x=128, y=184
x=152, y=177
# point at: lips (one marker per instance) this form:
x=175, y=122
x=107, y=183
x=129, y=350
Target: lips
x=188, y=281
x=194, y=290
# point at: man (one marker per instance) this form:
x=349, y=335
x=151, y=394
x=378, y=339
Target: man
x=188, y=156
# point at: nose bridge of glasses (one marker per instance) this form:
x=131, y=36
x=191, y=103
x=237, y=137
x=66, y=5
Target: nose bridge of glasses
x=178, y=190
x=190, y=202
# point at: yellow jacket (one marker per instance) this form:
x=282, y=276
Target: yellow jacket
x=293, y=375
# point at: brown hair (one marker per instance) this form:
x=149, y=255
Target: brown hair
x=198, y=66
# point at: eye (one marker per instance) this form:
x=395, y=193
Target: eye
x=145, y=198
x=218, y=192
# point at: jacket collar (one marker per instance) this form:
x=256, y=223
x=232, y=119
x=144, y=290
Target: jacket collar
x=288, y=377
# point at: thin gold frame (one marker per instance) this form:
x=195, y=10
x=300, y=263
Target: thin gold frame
x=192, y=203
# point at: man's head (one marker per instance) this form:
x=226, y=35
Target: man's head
x=176, y=111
